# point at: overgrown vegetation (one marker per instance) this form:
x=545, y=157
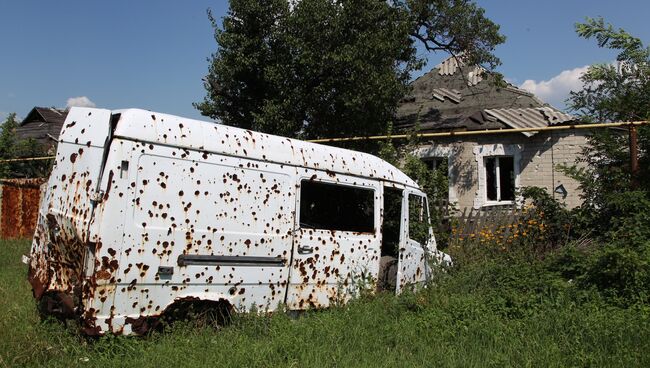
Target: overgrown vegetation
x=500, y=311
x=11, y=148
x=603, y=246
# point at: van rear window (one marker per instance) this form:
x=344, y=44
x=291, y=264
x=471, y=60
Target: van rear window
x=336, y=207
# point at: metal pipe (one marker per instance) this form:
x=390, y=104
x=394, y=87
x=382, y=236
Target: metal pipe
x=483, y=132
x=27, y=159
x=440, y=134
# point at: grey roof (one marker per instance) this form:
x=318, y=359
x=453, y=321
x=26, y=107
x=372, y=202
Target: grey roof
x=557, y=117
x=454, y=96
x=43, y=124
x=452, y=64
x=451, y=94
x=530, y=117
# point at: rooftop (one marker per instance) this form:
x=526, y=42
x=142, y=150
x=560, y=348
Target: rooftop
x=455, y=96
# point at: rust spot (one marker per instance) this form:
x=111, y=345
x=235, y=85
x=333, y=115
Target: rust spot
x=103, y=275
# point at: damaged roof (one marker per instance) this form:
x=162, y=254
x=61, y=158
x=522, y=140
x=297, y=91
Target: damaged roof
x=455, y=96
x=530, y=117
x=42, y=124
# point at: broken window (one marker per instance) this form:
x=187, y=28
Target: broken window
x=418, y=219
x=437, y=164
x=336, y=207
x=500, y=178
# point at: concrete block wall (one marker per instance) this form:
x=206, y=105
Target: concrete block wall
x=540, y=160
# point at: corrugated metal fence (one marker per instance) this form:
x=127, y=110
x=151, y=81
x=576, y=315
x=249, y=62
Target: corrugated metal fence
x=19, y=201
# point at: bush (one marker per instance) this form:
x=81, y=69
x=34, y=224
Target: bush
x=553, y=215
x=624, y=219
x=621, y=274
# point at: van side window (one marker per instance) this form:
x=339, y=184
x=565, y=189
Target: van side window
x=418, y=219
x=336, y=207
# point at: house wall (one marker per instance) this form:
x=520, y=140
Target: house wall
x=536, y=159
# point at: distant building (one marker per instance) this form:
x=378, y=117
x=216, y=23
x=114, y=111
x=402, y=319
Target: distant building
x=487, y=170
x=44, y=125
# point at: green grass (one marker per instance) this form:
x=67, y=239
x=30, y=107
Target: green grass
x=489, y=314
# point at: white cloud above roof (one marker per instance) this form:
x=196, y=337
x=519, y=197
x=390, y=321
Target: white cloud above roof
x=81, y=101
x=556, y=90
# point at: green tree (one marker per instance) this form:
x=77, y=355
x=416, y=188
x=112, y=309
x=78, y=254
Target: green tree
x=618, y=91
x=11, y=147
x=7, y=144
x=329, y=68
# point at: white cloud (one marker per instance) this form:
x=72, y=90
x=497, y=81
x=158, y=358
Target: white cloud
x=556, y=90
x=81, y=101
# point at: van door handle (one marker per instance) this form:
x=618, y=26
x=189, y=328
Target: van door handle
x=305, y=249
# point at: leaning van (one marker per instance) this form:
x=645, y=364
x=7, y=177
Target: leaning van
x=145, y=211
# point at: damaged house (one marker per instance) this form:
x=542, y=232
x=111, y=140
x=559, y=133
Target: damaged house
x=43, y=124
x=486, y=170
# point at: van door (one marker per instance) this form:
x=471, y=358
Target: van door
x=412, y=266
x=336, y=244
x=66, y=209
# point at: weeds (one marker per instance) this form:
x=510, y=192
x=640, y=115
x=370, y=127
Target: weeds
x=499, y=311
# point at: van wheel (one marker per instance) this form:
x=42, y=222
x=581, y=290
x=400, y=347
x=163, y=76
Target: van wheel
x=202, y=313
x=57, y=305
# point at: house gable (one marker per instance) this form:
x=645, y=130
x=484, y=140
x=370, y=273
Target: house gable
x=42, y=124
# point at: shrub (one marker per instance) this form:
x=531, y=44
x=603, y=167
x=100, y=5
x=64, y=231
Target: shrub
x=620, y=274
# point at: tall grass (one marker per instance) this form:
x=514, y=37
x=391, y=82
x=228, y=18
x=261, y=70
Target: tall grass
x=500, y=312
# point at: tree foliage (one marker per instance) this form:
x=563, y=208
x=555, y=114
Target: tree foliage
x=11, y=147
x=618, y=91
x=330, y=68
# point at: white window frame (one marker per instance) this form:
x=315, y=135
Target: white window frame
x=497, y=183
x=442, y=151
x=495, y=150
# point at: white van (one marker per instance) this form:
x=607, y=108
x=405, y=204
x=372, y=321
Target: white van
x=144, y=211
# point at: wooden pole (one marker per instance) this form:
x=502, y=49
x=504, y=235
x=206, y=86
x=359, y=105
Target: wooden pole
x=634, y=158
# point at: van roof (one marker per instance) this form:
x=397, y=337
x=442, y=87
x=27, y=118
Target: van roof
x=154, y=127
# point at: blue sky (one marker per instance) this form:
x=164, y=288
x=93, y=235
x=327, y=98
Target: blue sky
x=152, y=55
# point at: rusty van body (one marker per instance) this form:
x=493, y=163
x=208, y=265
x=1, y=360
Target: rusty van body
x=145, y=210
